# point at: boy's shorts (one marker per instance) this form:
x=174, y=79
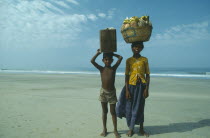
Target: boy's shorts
x=108, y=96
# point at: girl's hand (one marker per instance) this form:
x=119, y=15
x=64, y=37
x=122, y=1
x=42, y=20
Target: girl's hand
x=127, y=95
x=146, y=94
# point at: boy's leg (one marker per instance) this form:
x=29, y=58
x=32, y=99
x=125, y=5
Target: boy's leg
x=104, y=117
x=114, y=119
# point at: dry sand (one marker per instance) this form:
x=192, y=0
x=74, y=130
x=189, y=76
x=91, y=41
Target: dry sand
x=67, y=106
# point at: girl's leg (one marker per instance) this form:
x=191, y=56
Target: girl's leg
x=142, y=130
x=114, y=119
x=128, y=109
x=130, y=133
x=104, y=117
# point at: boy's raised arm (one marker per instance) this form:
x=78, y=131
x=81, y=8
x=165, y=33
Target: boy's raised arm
x=94, y=58
x=118, y=61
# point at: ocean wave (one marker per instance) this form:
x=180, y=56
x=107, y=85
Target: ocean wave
x=181, y=75
x=97, y=73
x=48, y=72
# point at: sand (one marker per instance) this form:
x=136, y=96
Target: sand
x=67, y=106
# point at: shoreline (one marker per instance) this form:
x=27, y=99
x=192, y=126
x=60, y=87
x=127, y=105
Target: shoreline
x=163, y=75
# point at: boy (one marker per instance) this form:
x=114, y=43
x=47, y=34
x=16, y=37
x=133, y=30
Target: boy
x=108, y=91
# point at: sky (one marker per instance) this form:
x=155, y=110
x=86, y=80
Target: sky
x=64, y=34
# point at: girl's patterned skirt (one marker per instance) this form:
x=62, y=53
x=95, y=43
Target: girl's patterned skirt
x=132, y=109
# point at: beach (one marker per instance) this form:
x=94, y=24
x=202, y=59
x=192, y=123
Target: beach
x=67, y=106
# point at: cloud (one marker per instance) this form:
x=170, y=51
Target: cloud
x=92, y=17
x=33, y=7
x=102, y=15
x=111, y=13
x=186, y=32
x=73, y=1
x=39, y=23
x=62, y=4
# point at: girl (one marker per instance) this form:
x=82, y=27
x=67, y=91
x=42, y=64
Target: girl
x=132, y=98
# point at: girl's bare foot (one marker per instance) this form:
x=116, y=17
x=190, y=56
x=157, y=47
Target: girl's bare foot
x=142, y=132
x=117, y=135
x=130, y=133
x=104, y=133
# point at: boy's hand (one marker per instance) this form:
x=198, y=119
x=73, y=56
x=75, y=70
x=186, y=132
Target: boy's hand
x=146, y=94
x=127, y=95
x=99, y=51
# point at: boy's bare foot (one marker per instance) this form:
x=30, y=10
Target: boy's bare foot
x=104, y=133
x=117, y=135
x=142, y=132
x=130, y=133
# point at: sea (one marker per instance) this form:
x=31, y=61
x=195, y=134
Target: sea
x=199, y=73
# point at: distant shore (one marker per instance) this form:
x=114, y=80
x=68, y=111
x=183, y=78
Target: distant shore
x=66, y=105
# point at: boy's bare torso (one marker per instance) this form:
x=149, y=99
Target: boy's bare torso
x=108, y=78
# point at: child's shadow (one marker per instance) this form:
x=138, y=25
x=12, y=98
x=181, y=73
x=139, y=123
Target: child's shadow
x=177, y=127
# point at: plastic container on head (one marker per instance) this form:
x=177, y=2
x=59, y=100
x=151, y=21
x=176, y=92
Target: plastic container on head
x=108, y=40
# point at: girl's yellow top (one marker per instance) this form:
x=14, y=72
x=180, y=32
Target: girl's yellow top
x=137, y=68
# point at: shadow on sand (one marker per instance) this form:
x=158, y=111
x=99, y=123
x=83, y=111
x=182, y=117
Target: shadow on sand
x=177, y=127
x=174, y=127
